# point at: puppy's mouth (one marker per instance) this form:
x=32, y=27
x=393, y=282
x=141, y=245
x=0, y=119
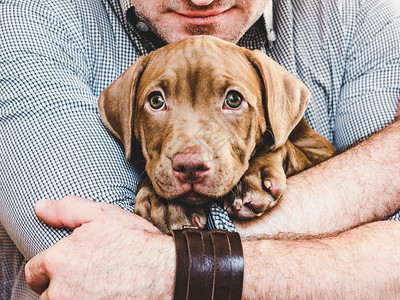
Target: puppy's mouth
x=194, y=193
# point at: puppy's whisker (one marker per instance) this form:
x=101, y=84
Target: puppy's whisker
x=143, y=173
x=269, y=130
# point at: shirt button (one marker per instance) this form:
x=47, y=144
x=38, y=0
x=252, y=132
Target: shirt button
x=142, y=26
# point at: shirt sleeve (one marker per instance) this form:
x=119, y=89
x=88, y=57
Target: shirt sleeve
x=371, y=83
x=52, y=141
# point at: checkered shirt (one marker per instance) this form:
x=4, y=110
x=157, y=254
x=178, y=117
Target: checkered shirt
x=56, y=57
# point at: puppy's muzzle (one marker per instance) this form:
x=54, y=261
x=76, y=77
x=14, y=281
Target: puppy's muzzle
x=192, y=165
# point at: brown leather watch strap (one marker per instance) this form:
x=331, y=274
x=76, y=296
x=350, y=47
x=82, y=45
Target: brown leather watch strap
x=237, y=264
x=209, y=264
x=200, y=265
x=182, y=265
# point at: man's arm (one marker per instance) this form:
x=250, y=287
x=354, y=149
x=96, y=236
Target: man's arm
x=139, y=261
x=362, y=184
x=362, y=263
x=52, y=142
x=358, y=186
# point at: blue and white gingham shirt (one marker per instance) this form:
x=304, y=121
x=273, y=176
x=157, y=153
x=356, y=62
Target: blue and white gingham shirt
x=56, y=56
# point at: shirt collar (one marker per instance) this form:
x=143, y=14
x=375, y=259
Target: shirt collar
x=259, y=36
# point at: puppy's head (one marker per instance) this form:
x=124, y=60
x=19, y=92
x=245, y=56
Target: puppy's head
x=199, y=107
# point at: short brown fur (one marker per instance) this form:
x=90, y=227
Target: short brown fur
x=242, y=156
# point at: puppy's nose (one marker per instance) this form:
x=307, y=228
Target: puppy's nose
x=191, y=165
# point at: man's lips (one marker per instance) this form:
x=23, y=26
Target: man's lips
x=205, y=17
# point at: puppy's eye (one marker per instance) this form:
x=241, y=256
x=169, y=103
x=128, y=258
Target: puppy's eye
x=156, y=101
x=233, y=100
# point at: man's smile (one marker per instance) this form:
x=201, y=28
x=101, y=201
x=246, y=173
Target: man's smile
x=203, y=17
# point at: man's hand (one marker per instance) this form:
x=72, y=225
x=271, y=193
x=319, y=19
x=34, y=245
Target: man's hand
x=111, y=254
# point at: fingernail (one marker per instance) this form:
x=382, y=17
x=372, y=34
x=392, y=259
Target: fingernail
x=43, y=203
x=246, y=200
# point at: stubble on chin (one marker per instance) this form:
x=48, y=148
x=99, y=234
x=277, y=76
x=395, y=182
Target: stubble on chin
x=203, y=29
x=169, y=35
x=216, y=30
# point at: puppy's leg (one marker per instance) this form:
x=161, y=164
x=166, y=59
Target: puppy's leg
x=309, y=144
x=164, y=214
x=265, y=181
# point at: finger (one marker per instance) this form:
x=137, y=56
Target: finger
x=398, y=110
x=36, y=275
x=68, y=212
x=72, y=212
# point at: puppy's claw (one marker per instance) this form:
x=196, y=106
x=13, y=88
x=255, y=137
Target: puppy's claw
x=197, y=221
x=274, y=188
x=238, y=204
x=267, y=184
x=226, y=204
x=246, y=200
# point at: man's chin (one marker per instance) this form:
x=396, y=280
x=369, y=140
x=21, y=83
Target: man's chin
x=189, y=30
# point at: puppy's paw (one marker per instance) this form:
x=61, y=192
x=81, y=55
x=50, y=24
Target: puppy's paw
x=167, y=215
x=255, y=194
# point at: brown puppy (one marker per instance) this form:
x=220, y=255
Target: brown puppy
x=215, y=121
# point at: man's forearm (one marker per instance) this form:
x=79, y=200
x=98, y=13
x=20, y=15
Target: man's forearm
x=140, y=262
x=355, y=187
x=363, y=263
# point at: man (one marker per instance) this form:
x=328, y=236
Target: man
x=60, y=55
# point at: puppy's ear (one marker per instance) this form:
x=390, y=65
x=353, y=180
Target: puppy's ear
x=285, y=96
x=117, y=102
